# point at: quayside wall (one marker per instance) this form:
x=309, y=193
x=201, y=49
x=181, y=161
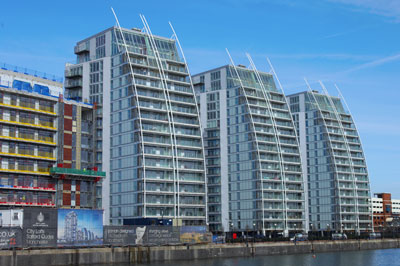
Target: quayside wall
x=139, y=254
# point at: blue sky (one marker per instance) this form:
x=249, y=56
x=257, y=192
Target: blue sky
x=354, y=43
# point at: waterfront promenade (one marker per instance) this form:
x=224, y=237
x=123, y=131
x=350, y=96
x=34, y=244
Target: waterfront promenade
x=141, y=254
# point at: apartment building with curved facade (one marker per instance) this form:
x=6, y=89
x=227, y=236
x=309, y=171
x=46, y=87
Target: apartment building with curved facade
x=252, y=156
x=338, y=186
x=149, y=135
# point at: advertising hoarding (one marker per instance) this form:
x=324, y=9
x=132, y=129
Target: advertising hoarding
x=39, y=227
x=80, y=227
x=162, y=235
x=119, y=235
x=10, y=237
x=195, y=234
x=148, y=235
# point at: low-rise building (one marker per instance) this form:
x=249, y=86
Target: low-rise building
x=385, y=210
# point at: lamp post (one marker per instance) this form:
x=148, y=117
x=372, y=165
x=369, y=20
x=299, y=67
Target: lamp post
x=254, y=232
x=391, y=226
x=162, y=216
x=275, y=231
x=328, y=229
x=231, y=231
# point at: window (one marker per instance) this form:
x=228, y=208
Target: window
x=215, y=85
x=215, y=75
x=294, y=99
x=100, y=40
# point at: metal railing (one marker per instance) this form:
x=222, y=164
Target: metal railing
x=30, y=72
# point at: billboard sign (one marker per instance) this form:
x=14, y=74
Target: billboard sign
x=119, y=235
x=10, y=237
x=161, y=235
x=40, y=227
x=195, y=234
x=141, y=235
x=80, y=227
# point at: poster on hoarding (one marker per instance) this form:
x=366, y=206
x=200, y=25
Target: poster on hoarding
x=125, y=235
x=119, y=235
x=162, y=235
x=10, y=237
x=194, y=234
x=39, y=227
x=80, y=227
x=141, y=235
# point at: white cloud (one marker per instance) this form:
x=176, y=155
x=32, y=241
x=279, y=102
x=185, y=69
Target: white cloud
x=327, y=56
x=374, y=63
x=387, y=8
x=214, y=53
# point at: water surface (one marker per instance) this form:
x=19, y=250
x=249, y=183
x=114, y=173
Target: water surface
x=382, y=257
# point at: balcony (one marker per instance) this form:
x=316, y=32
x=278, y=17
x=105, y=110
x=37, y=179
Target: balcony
x=73, y=72
x=81, y=48
x=73, y=83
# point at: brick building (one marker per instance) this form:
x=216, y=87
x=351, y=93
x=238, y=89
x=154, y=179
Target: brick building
x=384, y=209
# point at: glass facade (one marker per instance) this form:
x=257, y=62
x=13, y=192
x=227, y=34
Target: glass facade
x=338, y=183
x=263, y=176
x=157, y=163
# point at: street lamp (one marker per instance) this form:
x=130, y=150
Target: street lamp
x=392, y=230
x=255, y=233
x=162, y=216
x=328, y=229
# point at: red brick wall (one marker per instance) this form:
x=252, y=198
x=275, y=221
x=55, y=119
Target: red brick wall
x=78, y=200
x=67, y=185
x=67, y=154
x=66, y=199
x=68, y=109
x=67, y=139
x=68, y=124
